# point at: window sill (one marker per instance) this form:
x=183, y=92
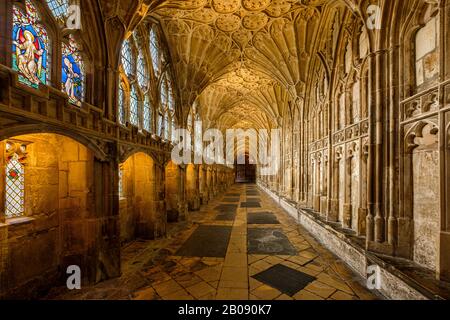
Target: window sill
x=19, y=221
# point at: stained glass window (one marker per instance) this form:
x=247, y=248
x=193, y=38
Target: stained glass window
x=72, y=77
x=154, y=50
x=127, y=57
x=142, y=75
x=59, y=9
x=134, y=108
x=147, y=115
x=15, y=187
x=30, y=49
x=121, y=106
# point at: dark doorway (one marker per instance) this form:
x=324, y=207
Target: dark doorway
x=246, y=173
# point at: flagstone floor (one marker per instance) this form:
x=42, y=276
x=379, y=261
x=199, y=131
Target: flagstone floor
x=241, y=246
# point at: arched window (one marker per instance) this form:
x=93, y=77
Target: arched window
x=127, y=57
x=72, y=77
x=15, y=180
x=155, y=50
x=31, y=47
x=134, y=107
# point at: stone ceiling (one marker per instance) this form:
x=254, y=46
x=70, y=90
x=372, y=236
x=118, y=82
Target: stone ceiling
x=242, y=60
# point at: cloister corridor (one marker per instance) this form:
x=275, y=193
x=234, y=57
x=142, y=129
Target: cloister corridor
x=222, y=251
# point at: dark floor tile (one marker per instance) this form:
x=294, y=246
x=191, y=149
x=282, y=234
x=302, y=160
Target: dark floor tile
x=250, y=205
x=269, y=241
x=262, y=218
x=207, y=241
x=285, y=279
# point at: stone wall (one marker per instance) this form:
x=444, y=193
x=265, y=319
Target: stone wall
x=58, y=202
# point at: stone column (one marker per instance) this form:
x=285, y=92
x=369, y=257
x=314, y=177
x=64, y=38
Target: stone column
x=317, y=162
x=333, y=214
x=348, y=208
x=102, y=225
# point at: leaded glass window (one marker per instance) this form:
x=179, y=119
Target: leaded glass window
x=142, y=74
x=127, y=57
x=121, y=105
x=31, y=47
x=134, y=107
x=15, y=187
x=147, y=115
x=72, y=77
x=155, y=50
x=59, y=9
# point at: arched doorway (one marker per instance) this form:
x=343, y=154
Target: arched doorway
x=245, y=172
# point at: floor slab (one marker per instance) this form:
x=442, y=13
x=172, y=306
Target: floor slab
x=207, y=241
x=269, y=241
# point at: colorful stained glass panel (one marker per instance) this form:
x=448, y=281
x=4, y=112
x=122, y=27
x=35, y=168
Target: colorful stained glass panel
x=72, y=77
x=30, y=49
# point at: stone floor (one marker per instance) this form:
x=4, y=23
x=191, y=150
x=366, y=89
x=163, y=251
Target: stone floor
x=270, y=259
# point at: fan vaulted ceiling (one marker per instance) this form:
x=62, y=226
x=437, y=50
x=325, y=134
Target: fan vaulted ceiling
x=243, y=61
